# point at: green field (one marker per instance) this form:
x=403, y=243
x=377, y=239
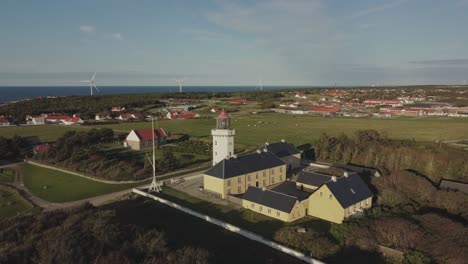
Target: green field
x=56, y=186
x=11, y=203
x=44, y=132
x=274, y=127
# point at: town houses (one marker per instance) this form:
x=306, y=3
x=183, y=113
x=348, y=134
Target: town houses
x=143, y=138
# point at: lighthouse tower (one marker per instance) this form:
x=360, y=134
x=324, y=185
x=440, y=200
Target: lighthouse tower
x=223, y=138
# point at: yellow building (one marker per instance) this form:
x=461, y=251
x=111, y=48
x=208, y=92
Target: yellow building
x=340, y=198
x=273, y=204
x=235, y=174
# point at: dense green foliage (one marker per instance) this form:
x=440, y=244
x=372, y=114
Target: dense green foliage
x=13, y=149
x=87, y=235
x=373, y=149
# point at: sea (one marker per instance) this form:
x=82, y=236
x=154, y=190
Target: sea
x=15, y=93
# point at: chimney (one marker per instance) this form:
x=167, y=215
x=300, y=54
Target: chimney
x=345, y=174
x=334, y=178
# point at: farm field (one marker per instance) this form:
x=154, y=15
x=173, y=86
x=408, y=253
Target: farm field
x=56, y=186
x=254, y=130
x=11, y=203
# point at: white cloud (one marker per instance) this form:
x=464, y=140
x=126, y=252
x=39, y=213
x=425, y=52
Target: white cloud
x=379, y=8
x=87, y=29
x=118, y=36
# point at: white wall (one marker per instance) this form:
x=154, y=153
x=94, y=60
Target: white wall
x=223, y=144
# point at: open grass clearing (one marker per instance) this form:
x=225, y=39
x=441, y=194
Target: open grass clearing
x=12, y=203
x=57, y=186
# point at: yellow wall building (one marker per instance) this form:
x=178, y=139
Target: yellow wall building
x=273, y=204
x=234, y=175
x=340, y=198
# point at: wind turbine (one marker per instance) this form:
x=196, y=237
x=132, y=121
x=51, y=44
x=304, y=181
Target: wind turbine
x=92, y=84
x=180, y=82
x=260, y=84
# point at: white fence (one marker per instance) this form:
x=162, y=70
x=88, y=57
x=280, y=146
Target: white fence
x=232, y=228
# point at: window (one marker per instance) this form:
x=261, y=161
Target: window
x=264, y=173
x=272, y=179
x=367, y=201
x=230, y=153
x=252, y=205
x=239, y=180
x=256, y=175
x=248, y=178
x=330, y=196
x=229, y=191
x=281, y=177
x=264, y=182
x=229, y=183
x=272, y=171
x=216, y=153
x=238, y=189
x=278, y=213
x=260, y=208
x=321, y=194
x=281, y=169
x=269, y=211
x=216, y=143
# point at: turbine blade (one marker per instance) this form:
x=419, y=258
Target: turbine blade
x=93, y=76
x=96, y=88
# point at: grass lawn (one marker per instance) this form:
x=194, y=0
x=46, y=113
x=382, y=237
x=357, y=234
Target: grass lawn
x=7, y=175
x=56, y=186
x=11, y=203
x=296, y=129
x=181, y=229
x=247, y=219
x=44, y=132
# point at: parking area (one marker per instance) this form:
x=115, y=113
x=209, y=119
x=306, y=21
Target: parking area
x=192, y=186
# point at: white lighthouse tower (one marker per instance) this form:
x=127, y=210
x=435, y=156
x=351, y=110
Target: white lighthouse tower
x=223, y=138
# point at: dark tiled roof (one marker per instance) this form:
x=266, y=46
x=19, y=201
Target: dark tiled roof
x=289, y=188
x=272, y=199
x=359, y=169
x=244, y=164
x=313, y=178
x=453, y=185
x=349, y=190
x=282, y=149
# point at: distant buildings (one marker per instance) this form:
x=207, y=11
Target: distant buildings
x=301, y=95
x=4, y=121
x=129, y=116
x=239, y=101
x=117, y=109
x=181, y=115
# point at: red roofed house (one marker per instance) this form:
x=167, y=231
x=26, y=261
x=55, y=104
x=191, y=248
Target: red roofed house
x=301, y=95
x=324, y=110
x=239, y=101
x=335, y=93
x=143, y=138
x=57, y=118
x=73, y=121
x=182, y=115
x=41, y=148
x=117, y=109
x=129, y=116
x=4, y=121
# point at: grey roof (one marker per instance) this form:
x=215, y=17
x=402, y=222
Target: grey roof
x=244, y=164
x=312, y=178
x=453, y=185
x=364, y=171
x=282, y=149
x=349, y=190
x=279, y=201
x=289, y=188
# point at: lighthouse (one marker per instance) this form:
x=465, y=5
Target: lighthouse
x=223, y=138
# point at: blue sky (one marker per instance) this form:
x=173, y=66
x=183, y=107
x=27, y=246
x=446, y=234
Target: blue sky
x=221, y=42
